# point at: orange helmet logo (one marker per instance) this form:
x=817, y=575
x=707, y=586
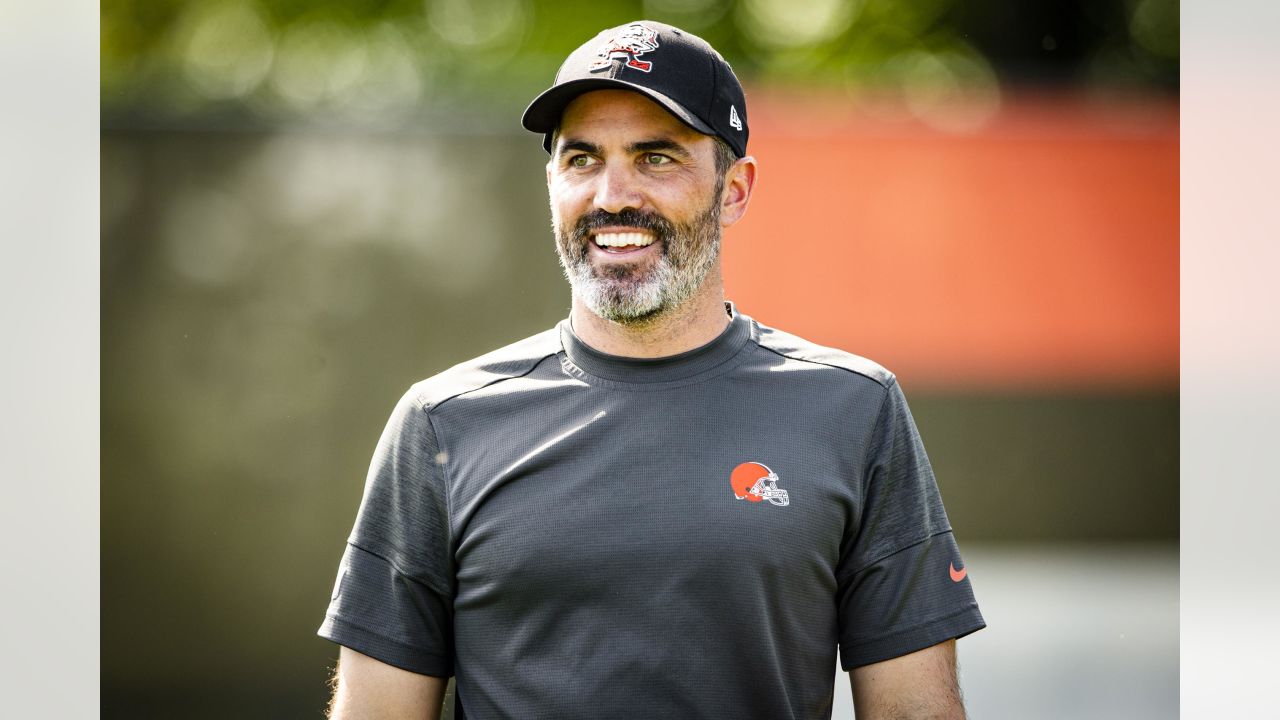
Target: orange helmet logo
x=755, y=482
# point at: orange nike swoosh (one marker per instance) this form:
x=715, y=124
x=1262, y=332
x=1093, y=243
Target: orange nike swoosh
x=958, y=575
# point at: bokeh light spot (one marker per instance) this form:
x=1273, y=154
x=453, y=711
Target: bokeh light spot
x=393, y=78
x=687, y=14
x=785, y=24
x=952, y=90
x=1154, y=27
x=227, y=48
x=318, y=61
x=478, y=24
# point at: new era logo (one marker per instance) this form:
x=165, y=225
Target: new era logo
x=734, y=120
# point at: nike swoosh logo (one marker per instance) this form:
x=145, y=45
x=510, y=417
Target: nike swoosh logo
x=958, y=575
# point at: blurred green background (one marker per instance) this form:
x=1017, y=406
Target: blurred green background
x=306, y=207
x=421, y=63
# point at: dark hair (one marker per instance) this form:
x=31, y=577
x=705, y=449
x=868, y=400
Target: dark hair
x=724, y=156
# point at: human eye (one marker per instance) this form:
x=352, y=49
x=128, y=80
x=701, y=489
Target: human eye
x=579, y=161
x=656, y=159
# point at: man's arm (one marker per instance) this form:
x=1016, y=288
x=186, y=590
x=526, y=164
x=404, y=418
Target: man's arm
x=368, y=689
x=919, y=686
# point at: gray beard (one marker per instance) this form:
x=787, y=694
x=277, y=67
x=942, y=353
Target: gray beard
x=629, y=294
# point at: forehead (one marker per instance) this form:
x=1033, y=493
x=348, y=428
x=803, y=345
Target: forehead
x=622, y=115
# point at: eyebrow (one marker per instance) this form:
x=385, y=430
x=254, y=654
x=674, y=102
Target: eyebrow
x=656, y=145
x=659, y=145
x=581, y=145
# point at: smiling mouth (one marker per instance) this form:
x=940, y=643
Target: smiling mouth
x=621, y=242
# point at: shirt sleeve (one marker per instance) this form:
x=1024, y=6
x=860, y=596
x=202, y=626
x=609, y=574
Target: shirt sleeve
x=393, y=599
x=901, y=583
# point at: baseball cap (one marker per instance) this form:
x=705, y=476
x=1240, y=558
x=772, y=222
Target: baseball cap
x=676, y=69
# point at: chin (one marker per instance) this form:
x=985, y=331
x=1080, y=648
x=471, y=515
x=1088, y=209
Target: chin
x=635, y=320
x=625, y=303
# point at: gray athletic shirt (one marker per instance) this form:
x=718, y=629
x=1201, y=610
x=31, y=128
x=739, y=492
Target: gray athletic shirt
x=579, y=535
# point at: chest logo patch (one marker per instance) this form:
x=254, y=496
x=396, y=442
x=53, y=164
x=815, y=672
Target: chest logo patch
x=755, y=482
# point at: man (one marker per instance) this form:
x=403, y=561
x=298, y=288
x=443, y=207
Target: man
x=659, y=508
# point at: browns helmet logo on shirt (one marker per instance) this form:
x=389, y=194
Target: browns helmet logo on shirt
x=755, y=482
x=635, y=40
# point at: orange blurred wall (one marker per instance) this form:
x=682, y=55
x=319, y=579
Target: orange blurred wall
x=1040, y=251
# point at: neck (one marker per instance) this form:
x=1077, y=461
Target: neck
x=696, y=322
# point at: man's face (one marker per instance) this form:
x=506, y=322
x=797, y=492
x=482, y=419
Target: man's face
x=635, y=205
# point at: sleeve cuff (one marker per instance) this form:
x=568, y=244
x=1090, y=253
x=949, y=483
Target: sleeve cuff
x=904, y=642
x=384, y=649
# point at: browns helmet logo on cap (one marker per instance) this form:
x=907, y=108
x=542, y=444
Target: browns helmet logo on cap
x=634, y=40
x=695, y=84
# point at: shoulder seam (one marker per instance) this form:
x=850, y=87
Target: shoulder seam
x=422, y=405
x=884, y=384
x=396, y=567
x=871, y=436
x=904, y=548
x=443, y=469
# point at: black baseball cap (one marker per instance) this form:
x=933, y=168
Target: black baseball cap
x=676, y=69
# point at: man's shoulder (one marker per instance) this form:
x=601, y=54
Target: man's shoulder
x=511, y=361
x=795, y=347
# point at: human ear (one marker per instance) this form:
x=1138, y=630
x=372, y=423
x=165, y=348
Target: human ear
x=738, y=184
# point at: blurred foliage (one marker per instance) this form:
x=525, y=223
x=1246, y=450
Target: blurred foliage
x=380, y=61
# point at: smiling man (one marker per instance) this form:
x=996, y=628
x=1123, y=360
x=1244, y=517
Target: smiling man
x=660, y=507
x=637, y=239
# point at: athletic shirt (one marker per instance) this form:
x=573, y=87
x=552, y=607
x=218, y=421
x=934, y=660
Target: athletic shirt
x=579, y=535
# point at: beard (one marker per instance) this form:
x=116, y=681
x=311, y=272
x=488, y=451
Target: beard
x=639, y=293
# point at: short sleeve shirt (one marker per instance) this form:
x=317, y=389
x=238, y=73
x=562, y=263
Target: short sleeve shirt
x=579, y=535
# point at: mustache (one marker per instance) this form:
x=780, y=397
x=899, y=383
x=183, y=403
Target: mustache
x=661, y=227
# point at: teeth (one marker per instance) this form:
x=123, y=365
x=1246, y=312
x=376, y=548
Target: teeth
x=623, y=239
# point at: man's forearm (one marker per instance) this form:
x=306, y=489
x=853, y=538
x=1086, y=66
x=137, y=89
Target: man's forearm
x=368, y=689
x=921, y=686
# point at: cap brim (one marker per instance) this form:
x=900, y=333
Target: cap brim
x=543, y=114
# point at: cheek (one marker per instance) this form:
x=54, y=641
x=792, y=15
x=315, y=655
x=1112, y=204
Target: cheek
x=562, y=215
x=569, y=201
x=563, y=195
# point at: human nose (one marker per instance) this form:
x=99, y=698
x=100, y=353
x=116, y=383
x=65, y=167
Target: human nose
x=616, y=191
